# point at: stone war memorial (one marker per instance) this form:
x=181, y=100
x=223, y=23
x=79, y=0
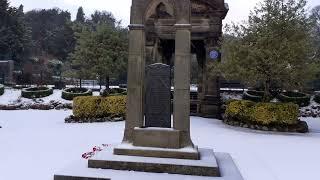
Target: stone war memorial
x=163, y=35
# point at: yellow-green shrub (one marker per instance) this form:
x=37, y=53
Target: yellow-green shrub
x=98, y=107
x=263, y=113
x=239, y=109
x=113, y=106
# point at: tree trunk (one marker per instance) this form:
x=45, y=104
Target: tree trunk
x=100, y=83
x=41, y=79
x=267, y=95
x=3, y=80
x=107, y=82
x=60, y=77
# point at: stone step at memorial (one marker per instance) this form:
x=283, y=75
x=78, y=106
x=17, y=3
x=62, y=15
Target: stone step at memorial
x=189, y=153
x=80, y=171
x=205, y=166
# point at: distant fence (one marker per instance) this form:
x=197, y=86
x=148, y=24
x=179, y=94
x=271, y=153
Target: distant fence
x=231, y=85
x=236, y=84
x=92, y=84
x=6, y=71
x=2, y=78
x=314, y=86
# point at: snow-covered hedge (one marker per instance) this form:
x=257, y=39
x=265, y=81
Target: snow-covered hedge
x=71, y=93
x=295, y=97
x=36, y=92
x=1, y=89
x=317, y=98
x=113, y=92
x=255, y=96
x=99, y=107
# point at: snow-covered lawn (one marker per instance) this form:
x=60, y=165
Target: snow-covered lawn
x=13, y=96
x=35, y=144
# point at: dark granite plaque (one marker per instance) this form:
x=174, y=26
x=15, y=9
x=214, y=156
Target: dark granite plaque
x=157, y=96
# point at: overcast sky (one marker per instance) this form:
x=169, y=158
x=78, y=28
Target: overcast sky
x=239, y=9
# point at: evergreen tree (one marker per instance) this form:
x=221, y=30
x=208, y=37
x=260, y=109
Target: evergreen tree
x=80, y=15
x=80, y=66
x=15, y=35
x=273, y=48
x=101, y=53
x=315, y=15
x=4, y=6
x=52, y=33
x=103, y=17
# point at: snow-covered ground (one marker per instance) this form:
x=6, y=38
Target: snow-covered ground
x=36, y=144
x=13, y=96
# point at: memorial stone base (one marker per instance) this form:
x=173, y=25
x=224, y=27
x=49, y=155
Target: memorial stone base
x=157, y=142
x=191, y=153
x=107, y=166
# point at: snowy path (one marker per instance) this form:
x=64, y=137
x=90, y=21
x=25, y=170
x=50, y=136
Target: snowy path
x=35, y=144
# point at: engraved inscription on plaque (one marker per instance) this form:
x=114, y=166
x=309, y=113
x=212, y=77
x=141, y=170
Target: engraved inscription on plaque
x=157, y=96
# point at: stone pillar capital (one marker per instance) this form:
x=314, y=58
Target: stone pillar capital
x=182, y=26
x=136, y=27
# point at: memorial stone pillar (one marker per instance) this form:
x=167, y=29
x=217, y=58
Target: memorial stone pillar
x=182, y=63
x=136, y=70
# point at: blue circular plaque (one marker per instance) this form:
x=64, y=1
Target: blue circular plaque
x=214, y=54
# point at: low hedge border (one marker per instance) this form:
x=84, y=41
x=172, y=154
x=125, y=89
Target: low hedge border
x=36, y=92
x=50, y=106
x=298, y=98
x=67, y=93
x=317, y=98
x=1, y=89
x=255, y=96
x=262, y=113
x=73, y=119
x=113, y=92
x=99, y=107
x=264, y=116
x=300, y=127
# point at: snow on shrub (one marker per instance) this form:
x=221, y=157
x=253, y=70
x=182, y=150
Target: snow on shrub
x=317, y=98
x=71, y=93
x=1, y=89
x=255, y=96
x=36, y=92
x=113, y=92
x=295, y=97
